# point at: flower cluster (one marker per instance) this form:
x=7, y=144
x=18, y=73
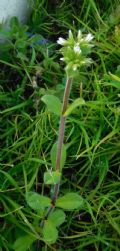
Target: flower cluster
x=75, y=51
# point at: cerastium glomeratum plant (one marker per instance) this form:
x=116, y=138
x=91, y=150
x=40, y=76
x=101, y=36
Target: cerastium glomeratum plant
x=75, y=53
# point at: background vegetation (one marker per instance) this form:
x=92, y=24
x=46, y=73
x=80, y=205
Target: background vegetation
x=30, y=69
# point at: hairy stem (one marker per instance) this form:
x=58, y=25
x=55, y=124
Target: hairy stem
x=62, y=123
x=60, y=144
x=61, y=134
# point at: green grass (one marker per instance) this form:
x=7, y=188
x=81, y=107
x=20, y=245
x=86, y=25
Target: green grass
x=92, y=135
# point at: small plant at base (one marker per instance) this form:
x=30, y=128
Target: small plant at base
x=74, y=52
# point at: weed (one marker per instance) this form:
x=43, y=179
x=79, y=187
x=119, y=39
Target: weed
x=28, y=129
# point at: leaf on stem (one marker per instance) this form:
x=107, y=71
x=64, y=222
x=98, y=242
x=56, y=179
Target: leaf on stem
x=57, y=217
x=53, y=155
x=50, y=233
x=76, y=103
x=23, y=243
x=70, y=201
x=52, y=178
x=37, y=201
x=53, y=104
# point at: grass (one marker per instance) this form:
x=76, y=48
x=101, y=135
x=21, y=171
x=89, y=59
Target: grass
x=92, y=135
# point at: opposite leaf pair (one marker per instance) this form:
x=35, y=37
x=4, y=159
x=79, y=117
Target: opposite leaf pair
x=40, y=203
x=69, y=201
x=54, y=105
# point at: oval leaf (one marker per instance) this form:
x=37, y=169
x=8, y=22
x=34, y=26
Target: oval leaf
x=37, y=201
x=57, y=217
x=23, y=243
x=76, y=103
x=50, y=233
x=52, y=178
x=53, y=155
x=70, y=201
x=53, y=104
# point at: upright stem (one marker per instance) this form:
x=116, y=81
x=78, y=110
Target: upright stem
x=62, y=122
x=61, y=134
x=60, y=144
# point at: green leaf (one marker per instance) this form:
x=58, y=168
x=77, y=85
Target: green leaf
x=53, y=104
x=115, y=80
x=36, y=201
x=53, y=155
x=115, y=77
x=23, y=243
x=57, y=217
x=76, y=103
x=52, y=178
x=114, y=83
x=50, y=233
x=70, y=201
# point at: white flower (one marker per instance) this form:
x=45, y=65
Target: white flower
x=77, y=49
x=61, y=41
x=62, y=59
x=89, y=37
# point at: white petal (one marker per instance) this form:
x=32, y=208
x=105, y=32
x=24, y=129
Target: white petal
x=89, y=37
x=61, y=41
x=79, y=35
x=70, y=34
x=62, y=59
x=77, y=49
